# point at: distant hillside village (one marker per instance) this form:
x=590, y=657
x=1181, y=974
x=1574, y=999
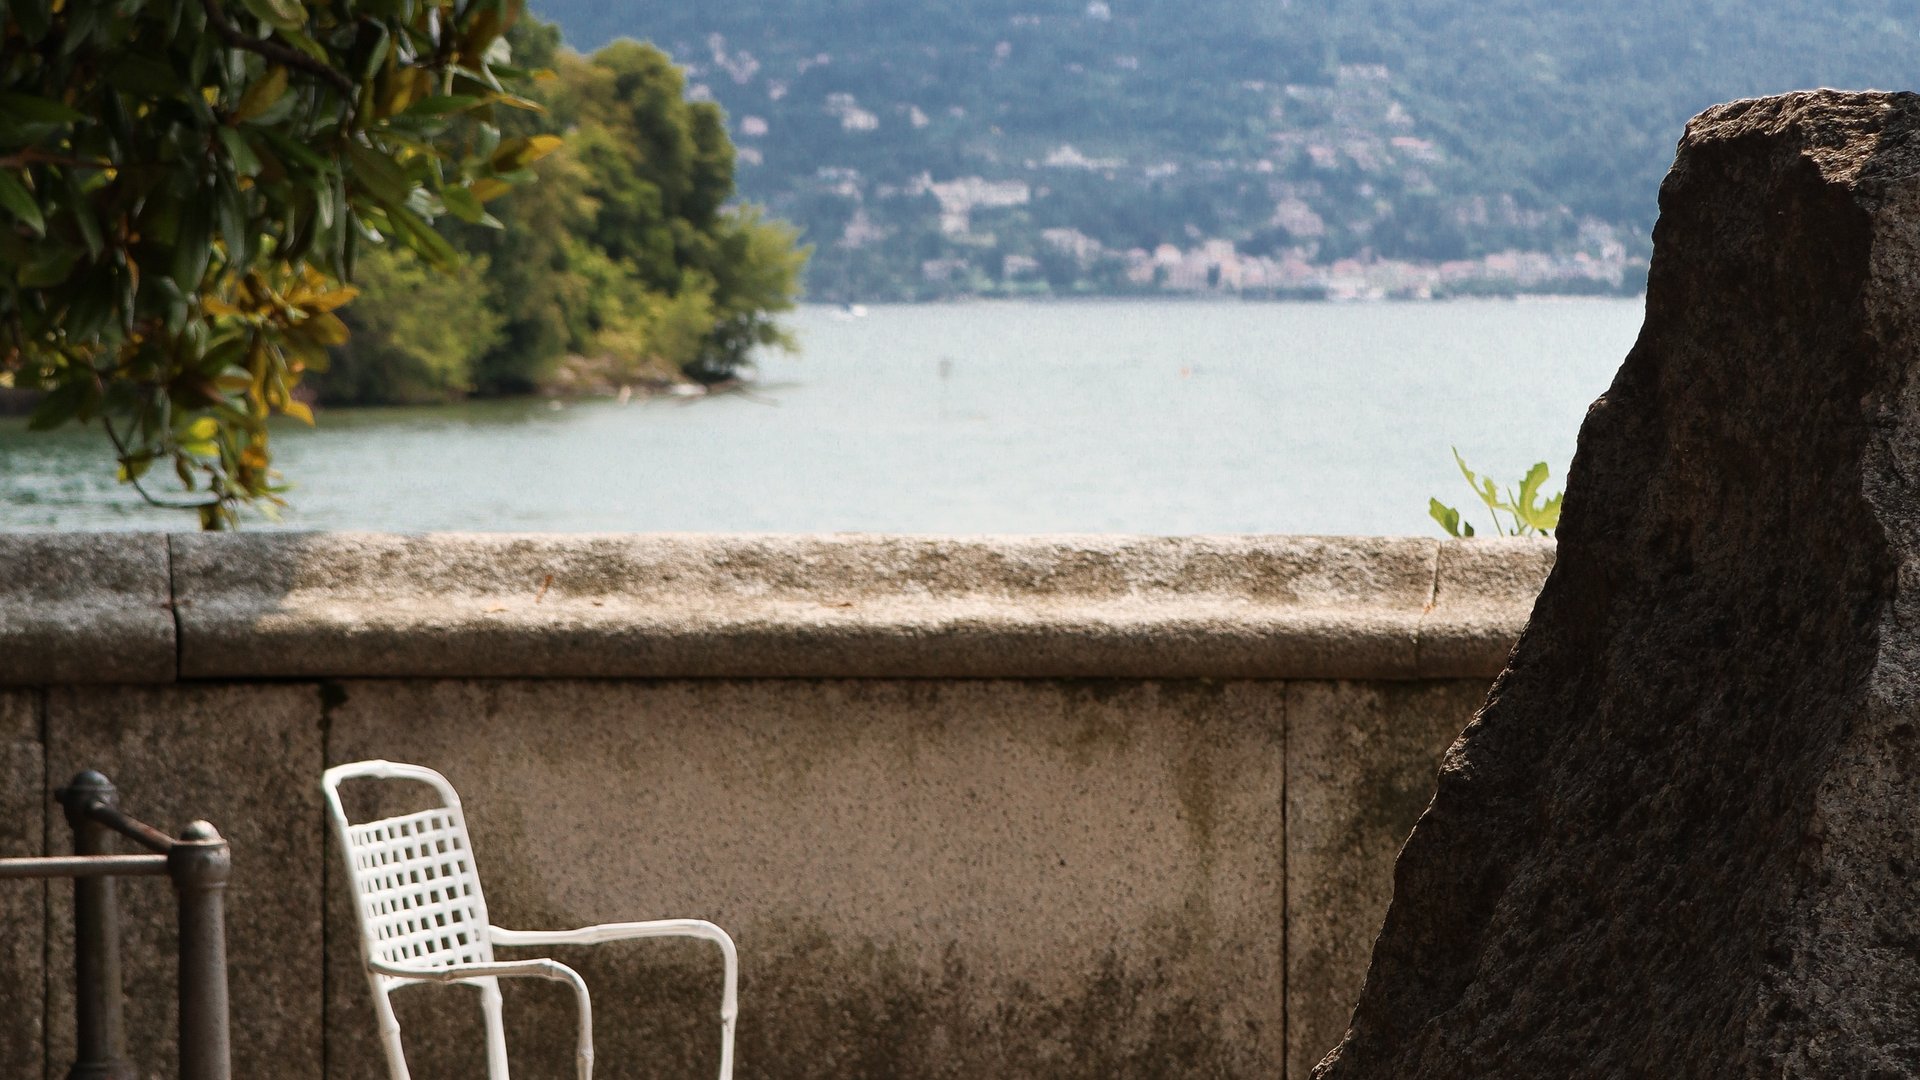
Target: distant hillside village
x=1600, y=265
x=1062, y=147
x=1340, y=163
x=1337, y=199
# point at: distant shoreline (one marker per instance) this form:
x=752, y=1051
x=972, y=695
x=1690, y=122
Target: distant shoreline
x=1224, y=299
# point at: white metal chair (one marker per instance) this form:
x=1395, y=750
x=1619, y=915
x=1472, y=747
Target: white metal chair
x=422, y=919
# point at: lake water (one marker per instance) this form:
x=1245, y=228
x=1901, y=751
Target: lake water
x=995, y=417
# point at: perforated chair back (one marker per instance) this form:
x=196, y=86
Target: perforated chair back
x=419, y=899
x=416, y=894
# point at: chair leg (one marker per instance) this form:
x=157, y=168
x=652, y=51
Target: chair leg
x=729, y=993
x=584, y=1055
x=490, y=1006
x=390, y=1035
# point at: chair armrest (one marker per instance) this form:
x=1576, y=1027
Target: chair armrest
x=508, y=969
x=618, y=931
x=627, y=931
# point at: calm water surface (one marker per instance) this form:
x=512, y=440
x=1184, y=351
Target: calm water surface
x=1097, y=416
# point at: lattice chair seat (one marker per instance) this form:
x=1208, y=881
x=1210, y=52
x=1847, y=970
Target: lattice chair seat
x=422, y=918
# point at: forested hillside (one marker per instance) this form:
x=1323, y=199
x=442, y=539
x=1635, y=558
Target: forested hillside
x=1285, y=146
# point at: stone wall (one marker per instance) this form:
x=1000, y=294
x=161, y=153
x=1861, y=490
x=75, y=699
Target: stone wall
x=1056, y=806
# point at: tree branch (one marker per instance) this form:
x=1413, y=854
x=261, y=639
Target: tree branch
x=121, y=446
x=285, y=55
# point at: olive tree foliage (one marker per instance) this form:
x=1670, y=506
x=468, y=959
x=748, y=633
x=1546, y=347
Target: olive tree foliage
x=185, y=186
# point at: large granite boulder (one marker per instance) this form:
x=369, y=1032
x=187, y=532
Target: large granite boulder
x=1682, y=837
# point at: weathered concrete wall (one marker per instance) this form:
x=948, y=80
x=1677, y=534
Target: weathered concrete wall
x=243, y=757
x=23, y=904
x=970, y=807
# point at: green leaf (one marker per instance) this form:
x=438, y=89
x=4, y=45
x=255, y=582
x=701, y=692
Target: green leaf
x=442, y=104
x=236, y=227
x=38, y=110
x=299, y=40
x=1447, y=516
x=1547, y=518
x=193, y=243
x=91, y=310
x=379, y=173
x=483, y=77
x=245, y=161
x=422, y=238
x=20, y=202
x=50, y=266
x=279, y=14
x=82, y=21
x=376, y=52
x=288, y=148
x=83, y=215
x=463, y=204
x=1530, y=486
x=1473, y=480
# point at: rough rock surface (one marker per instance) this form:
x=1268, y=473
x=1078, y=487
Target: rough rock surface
x=1682, y=838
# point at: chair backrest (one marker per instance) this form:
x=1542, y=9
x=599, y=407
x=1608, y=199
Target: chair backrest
x=417, y=896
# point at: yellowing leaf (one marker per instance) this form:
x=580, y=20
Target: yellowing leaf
x=515, y=101
x=262, y=94
x=520, y=153
x=331, y=300
x=299, y=411
x=325, y=328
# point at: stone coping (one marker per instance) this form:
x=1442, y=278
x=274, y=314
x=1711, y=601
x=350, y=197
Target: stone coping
x=144, y=607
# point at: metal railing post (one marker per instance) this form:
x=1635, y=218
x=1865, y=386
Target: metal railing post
x=101, y=1039
x=200, y=864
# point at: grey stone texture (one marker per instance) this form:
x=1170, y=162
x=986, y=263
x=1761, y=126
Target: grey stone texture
x=248, y=759
x=1483, y=591
x=962, y=878
x=1679, y=839
x=344, y=605
x=972, y=807
x=23, y=904
x=85, y=608
x=1361, y=759
x=971, y=878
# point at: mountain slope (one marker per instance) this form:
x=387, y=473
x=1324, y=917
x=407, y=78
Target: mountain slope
x=1128, y=144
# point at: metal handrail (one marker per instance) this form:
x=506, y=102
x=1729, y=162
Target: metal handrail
x=199, y=862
